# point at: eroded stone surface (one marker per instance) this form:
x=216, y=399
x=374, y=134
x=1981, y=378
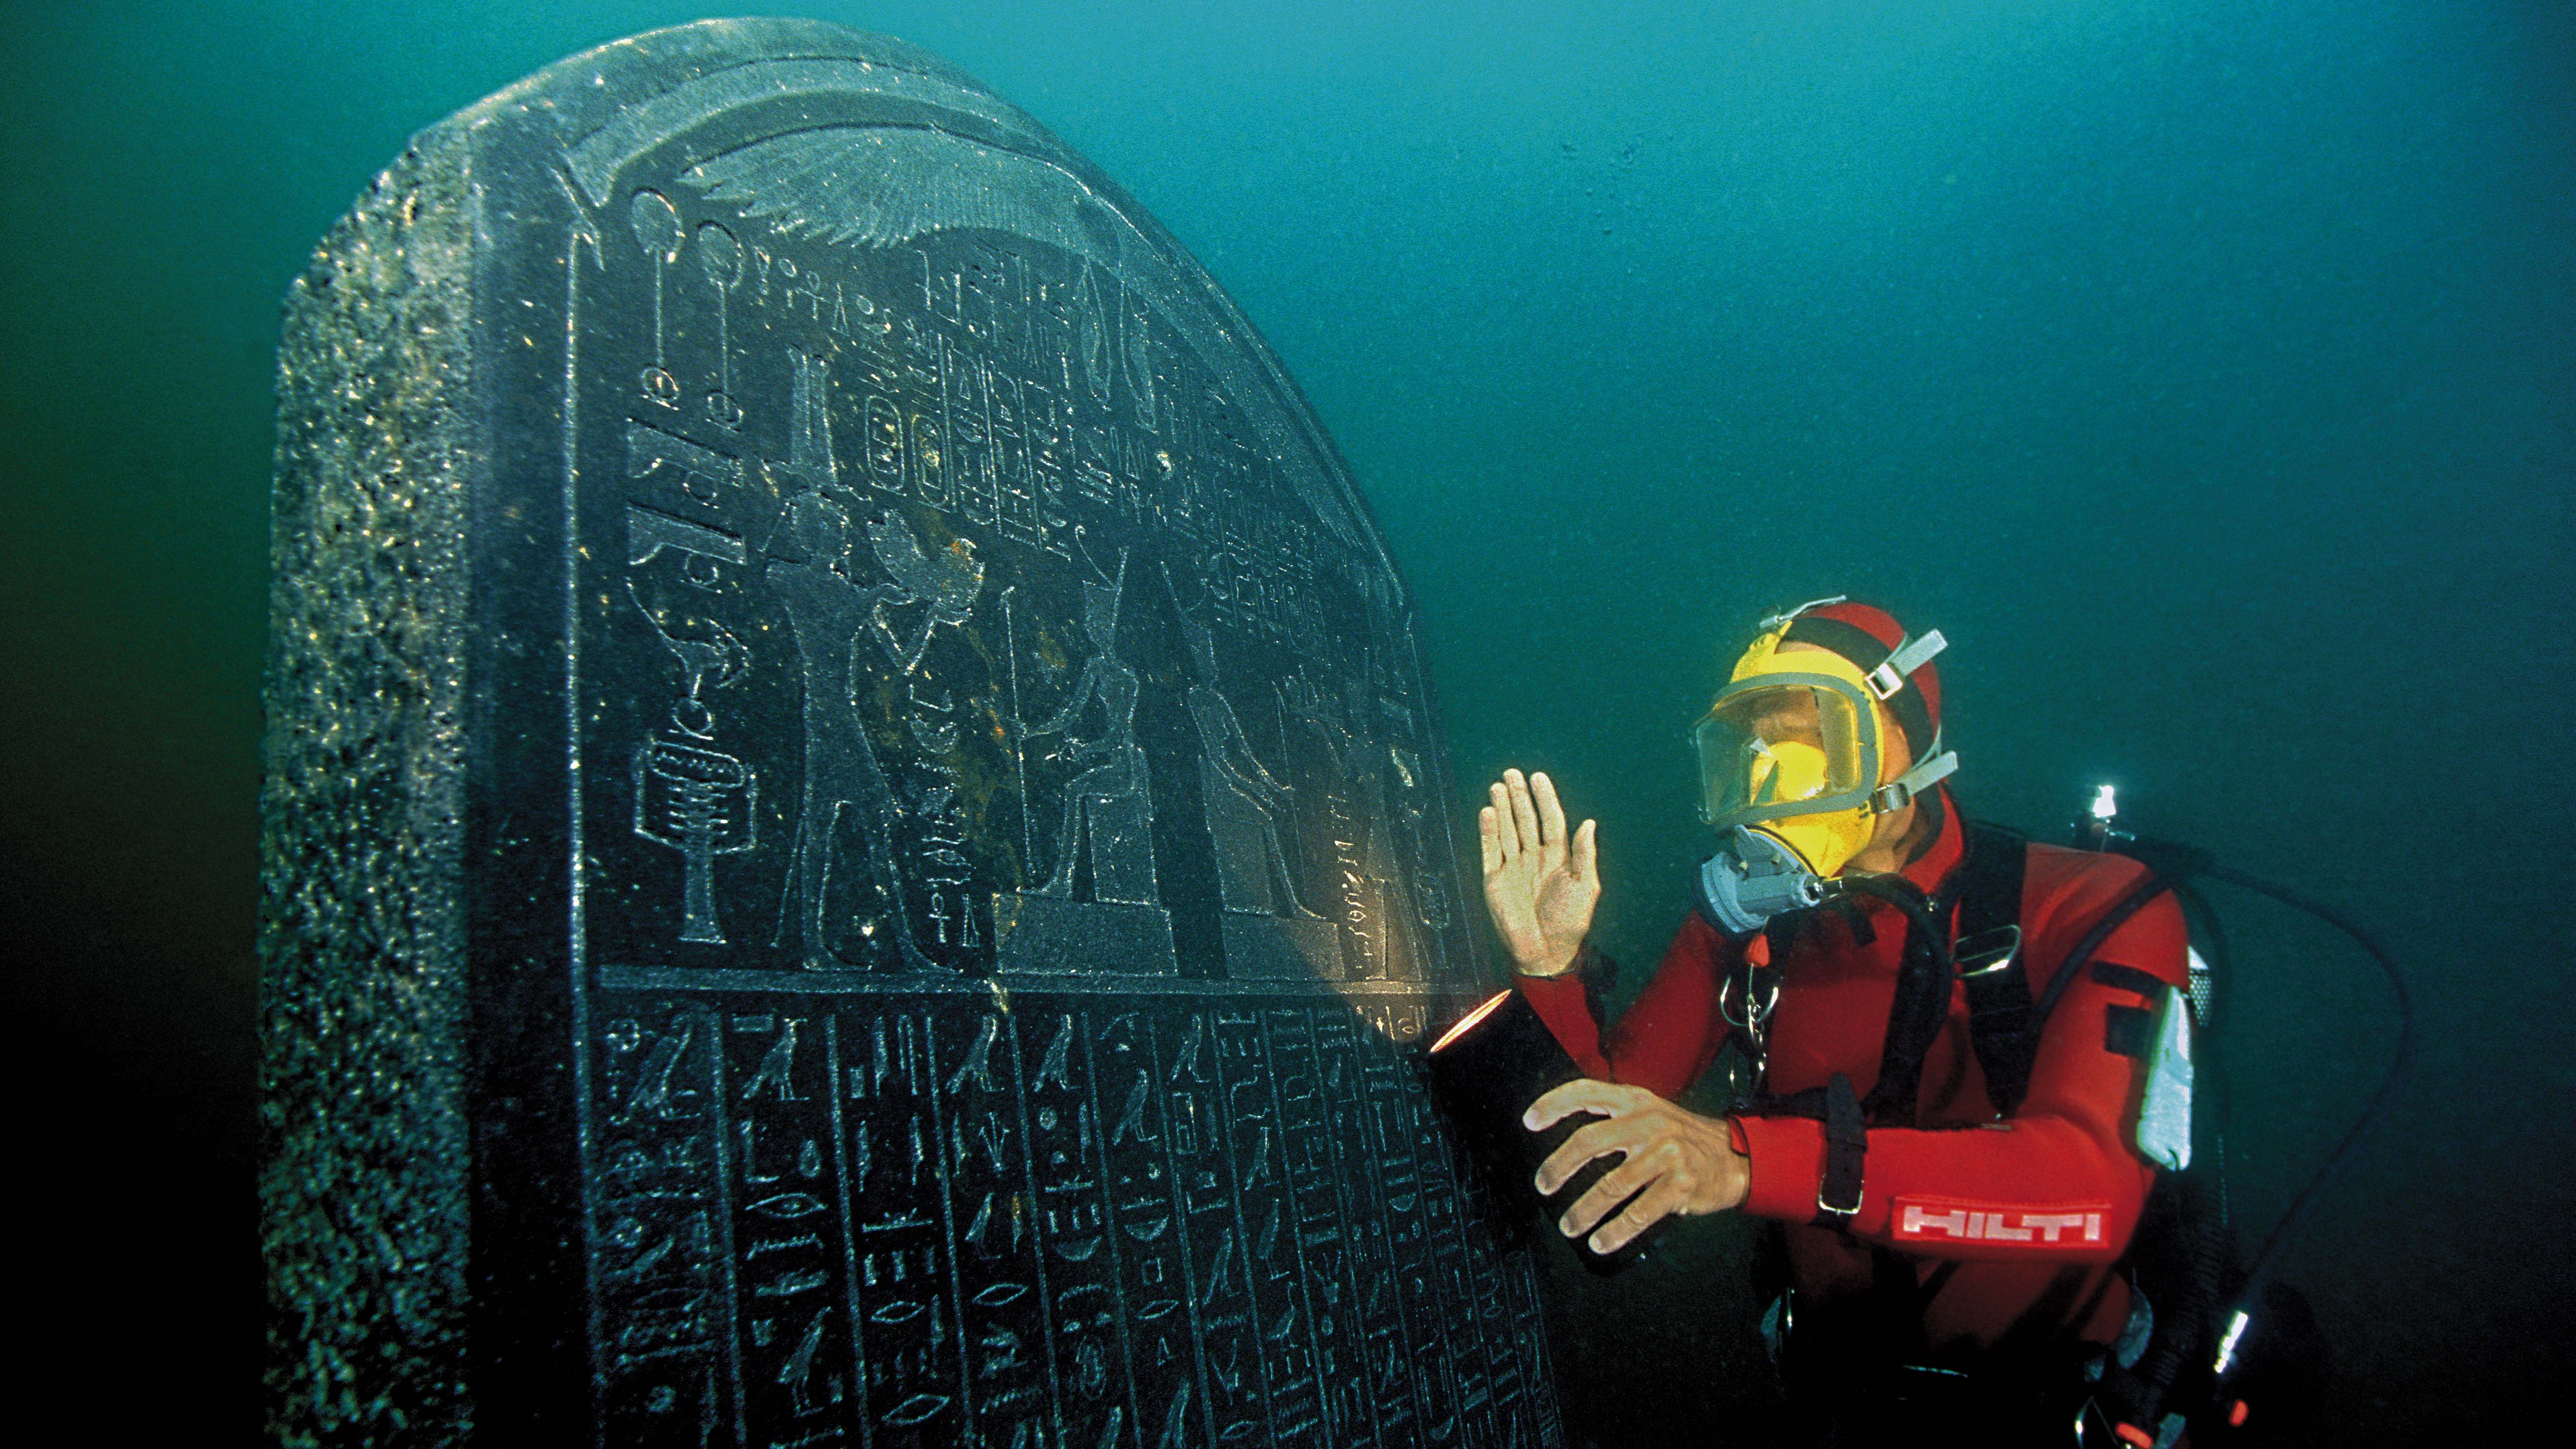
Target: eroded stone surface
x=365, y=1169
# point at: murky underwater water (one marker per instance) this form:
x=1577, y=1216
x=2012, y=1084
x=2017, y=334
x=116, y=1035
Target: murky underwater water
x=2207, y=376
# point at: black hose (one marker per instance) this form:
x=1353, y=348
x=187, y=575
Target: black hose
x=2399, y=1069
x=2169, y=868
x=2082, y=956
x=1907, y=897
x=1922, y=1000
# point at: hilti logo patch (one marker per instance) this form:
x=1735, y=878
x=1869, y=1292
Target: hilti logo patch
x=1948, y=1220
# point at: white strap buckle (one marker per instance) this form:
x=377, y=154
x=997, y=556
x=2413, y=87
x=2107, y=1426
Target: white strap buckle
x=1908, y=656
x=1898, y=793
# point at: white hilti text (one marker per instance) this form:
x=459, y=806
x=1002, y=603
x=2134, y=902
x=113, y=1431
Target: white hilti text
x=1925, y=1220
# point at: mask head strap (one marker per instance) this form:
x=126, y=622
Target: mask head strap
x=1886, y=669
x=1898, y=793
x=1908, y=656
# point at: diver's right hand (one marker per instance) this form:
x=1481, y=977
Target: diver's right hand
x=1540, y=884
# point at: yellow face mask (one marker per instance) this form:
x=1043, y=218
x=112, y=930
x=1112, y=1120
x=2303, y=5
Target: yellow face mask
x=1792, y=748
x=1827, y=840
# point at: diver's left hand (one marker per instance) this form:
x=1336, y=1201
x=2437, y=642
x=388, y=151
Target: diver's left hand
x=1685, y=1163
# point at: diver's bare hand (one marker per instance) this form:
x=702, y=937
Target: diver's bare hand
x=1540, y=884
x=1683, y=1162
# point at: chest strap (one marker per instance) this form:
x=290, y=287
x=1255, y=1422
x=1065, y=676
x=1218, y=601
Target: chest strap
x=2004, y=1024
x=1846, y=1154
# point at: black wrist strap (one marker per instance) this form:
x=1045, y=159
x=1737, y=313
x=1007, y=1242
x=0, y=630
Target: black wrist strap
x=1846, y=1145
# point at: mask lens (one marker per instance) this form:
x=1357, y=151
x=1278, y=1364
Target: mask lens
x=1779, y=750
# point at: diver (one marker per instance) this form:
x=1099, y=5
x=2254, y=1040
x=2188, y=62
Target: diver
x=1944, y=1129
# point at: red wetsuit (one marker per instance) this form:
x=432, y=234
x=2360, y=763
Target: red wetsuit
x=2036, y=1208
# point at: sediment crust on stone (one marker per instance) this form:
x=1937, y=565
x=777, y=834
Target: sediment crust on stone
x=364, y=1179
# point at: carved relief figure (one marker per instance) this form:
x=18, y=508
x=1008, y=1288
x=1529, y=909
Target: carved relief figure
x=1376, y=908
x=943, y=584
x=809, y=572
x=1269, y=932
x=1244, y=802
x=1108, y=808
x=1115, y=796
x=946, y=584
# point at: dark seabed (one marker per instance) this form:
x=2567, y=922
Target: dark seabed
x=2206, y=372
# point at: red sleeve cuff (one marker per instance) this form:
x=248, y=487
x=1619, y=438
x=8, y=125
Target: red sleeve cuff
x=1788, y=1165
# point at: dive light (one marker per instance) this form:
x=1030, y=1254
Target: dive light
x=1485, y=1073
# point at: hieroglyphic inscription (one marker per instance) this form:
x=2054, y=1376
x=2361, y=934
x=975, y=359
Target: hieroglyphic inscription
x=1091, y=1371
x=903, y=1222
x=1323, y=1219
x=1003, y=1302
x=1264, y=1229
x=1156, y=1131
x=774, y=1092
x=663, y=1289
x=1072, y=1222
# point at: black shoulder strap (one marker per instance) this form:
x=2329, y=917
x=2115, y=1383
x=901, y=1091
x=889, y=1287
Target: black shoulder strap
x=2003, y=1026
x=1914, y=1018
x=1846, y=1153
x=1990, y=881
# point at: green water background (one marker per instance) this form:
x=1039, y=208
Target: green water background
x=2207, y=372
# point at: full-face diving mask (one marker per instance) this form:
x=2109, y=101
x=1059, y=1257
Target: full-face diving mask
x=1791, y=750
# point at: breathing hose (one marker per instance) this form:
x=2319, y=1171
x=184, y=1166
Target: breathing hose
x=2399, y=1069
x=1901, y=893
x=1922, y=996
x=2170, y=867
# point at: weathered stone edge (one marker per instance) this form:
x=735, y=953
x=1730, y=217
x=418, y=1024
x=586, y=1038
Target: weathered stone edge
x=364, y=1181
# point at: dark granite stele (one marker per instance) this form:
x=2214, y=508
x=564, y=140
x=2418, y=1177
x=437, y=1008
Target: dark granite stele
x=856, y=848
